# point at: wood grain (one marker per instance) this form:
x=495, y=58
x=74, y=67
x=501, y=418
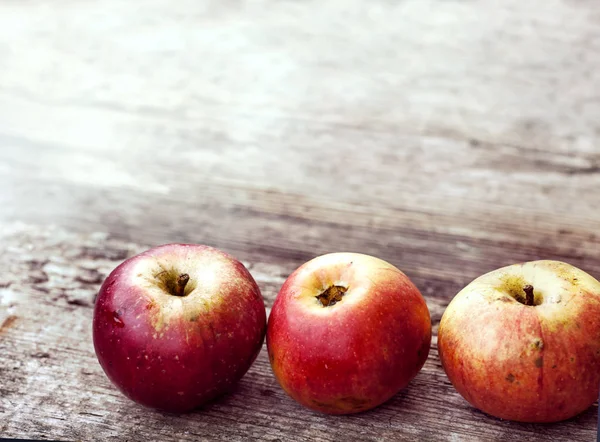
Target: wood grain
x=447, y=137
x=53, y=385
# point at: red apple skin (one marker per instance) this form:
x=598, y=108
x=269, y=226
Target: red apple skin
x=175, y=353
x=356, y=354
x=525, y=363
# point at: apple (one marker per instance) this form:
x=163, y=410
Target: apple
x=347, y=332
x=523, y=342
x=178, y=325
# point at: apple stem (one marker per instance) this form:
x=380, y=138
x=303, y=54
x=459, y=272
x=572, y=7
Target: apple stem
x=332, y=295
x=182, y=280
x=528, y=289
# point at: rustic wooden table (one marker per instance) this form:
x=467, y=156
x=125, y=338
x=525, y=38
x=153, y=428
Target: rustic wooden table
x=447, y=137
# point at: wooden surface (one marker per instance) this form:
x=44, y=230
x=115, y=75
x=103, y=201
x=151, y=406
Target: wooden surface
x=447, y=137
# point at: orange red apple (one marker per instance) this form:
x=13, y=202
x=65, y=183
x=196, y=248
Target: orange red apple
x=523, y=342
x=347, y=332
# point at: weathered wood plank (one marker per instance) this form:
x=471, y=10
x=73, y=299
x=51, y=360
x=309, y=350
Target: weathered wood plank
x=518, y=73
x=52, y=385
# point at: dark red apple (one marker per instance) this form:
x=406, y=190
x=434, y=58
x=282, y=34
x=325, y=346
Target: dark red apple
x=523, y=342
x=178, y=325
x=347, y=332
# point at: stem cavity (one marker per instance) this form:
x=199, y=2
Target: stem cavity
x=332, y=295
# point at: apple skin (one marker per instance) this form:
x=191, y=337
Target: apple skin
x=537, y=363
x=175, y=353
x=358, y=353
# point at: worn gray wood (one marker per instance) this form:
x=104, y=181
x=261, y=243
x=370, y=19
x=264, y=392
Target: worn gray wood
x=447, y=137
x=53, y=386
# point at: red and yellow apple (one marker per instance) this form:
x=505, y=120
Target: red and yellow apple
x=178, y=325
x=523, y=342
x=347, y=332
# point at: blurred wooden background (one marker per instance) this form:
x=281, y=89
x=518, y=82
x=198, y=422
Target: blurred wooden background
x=447, y=137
